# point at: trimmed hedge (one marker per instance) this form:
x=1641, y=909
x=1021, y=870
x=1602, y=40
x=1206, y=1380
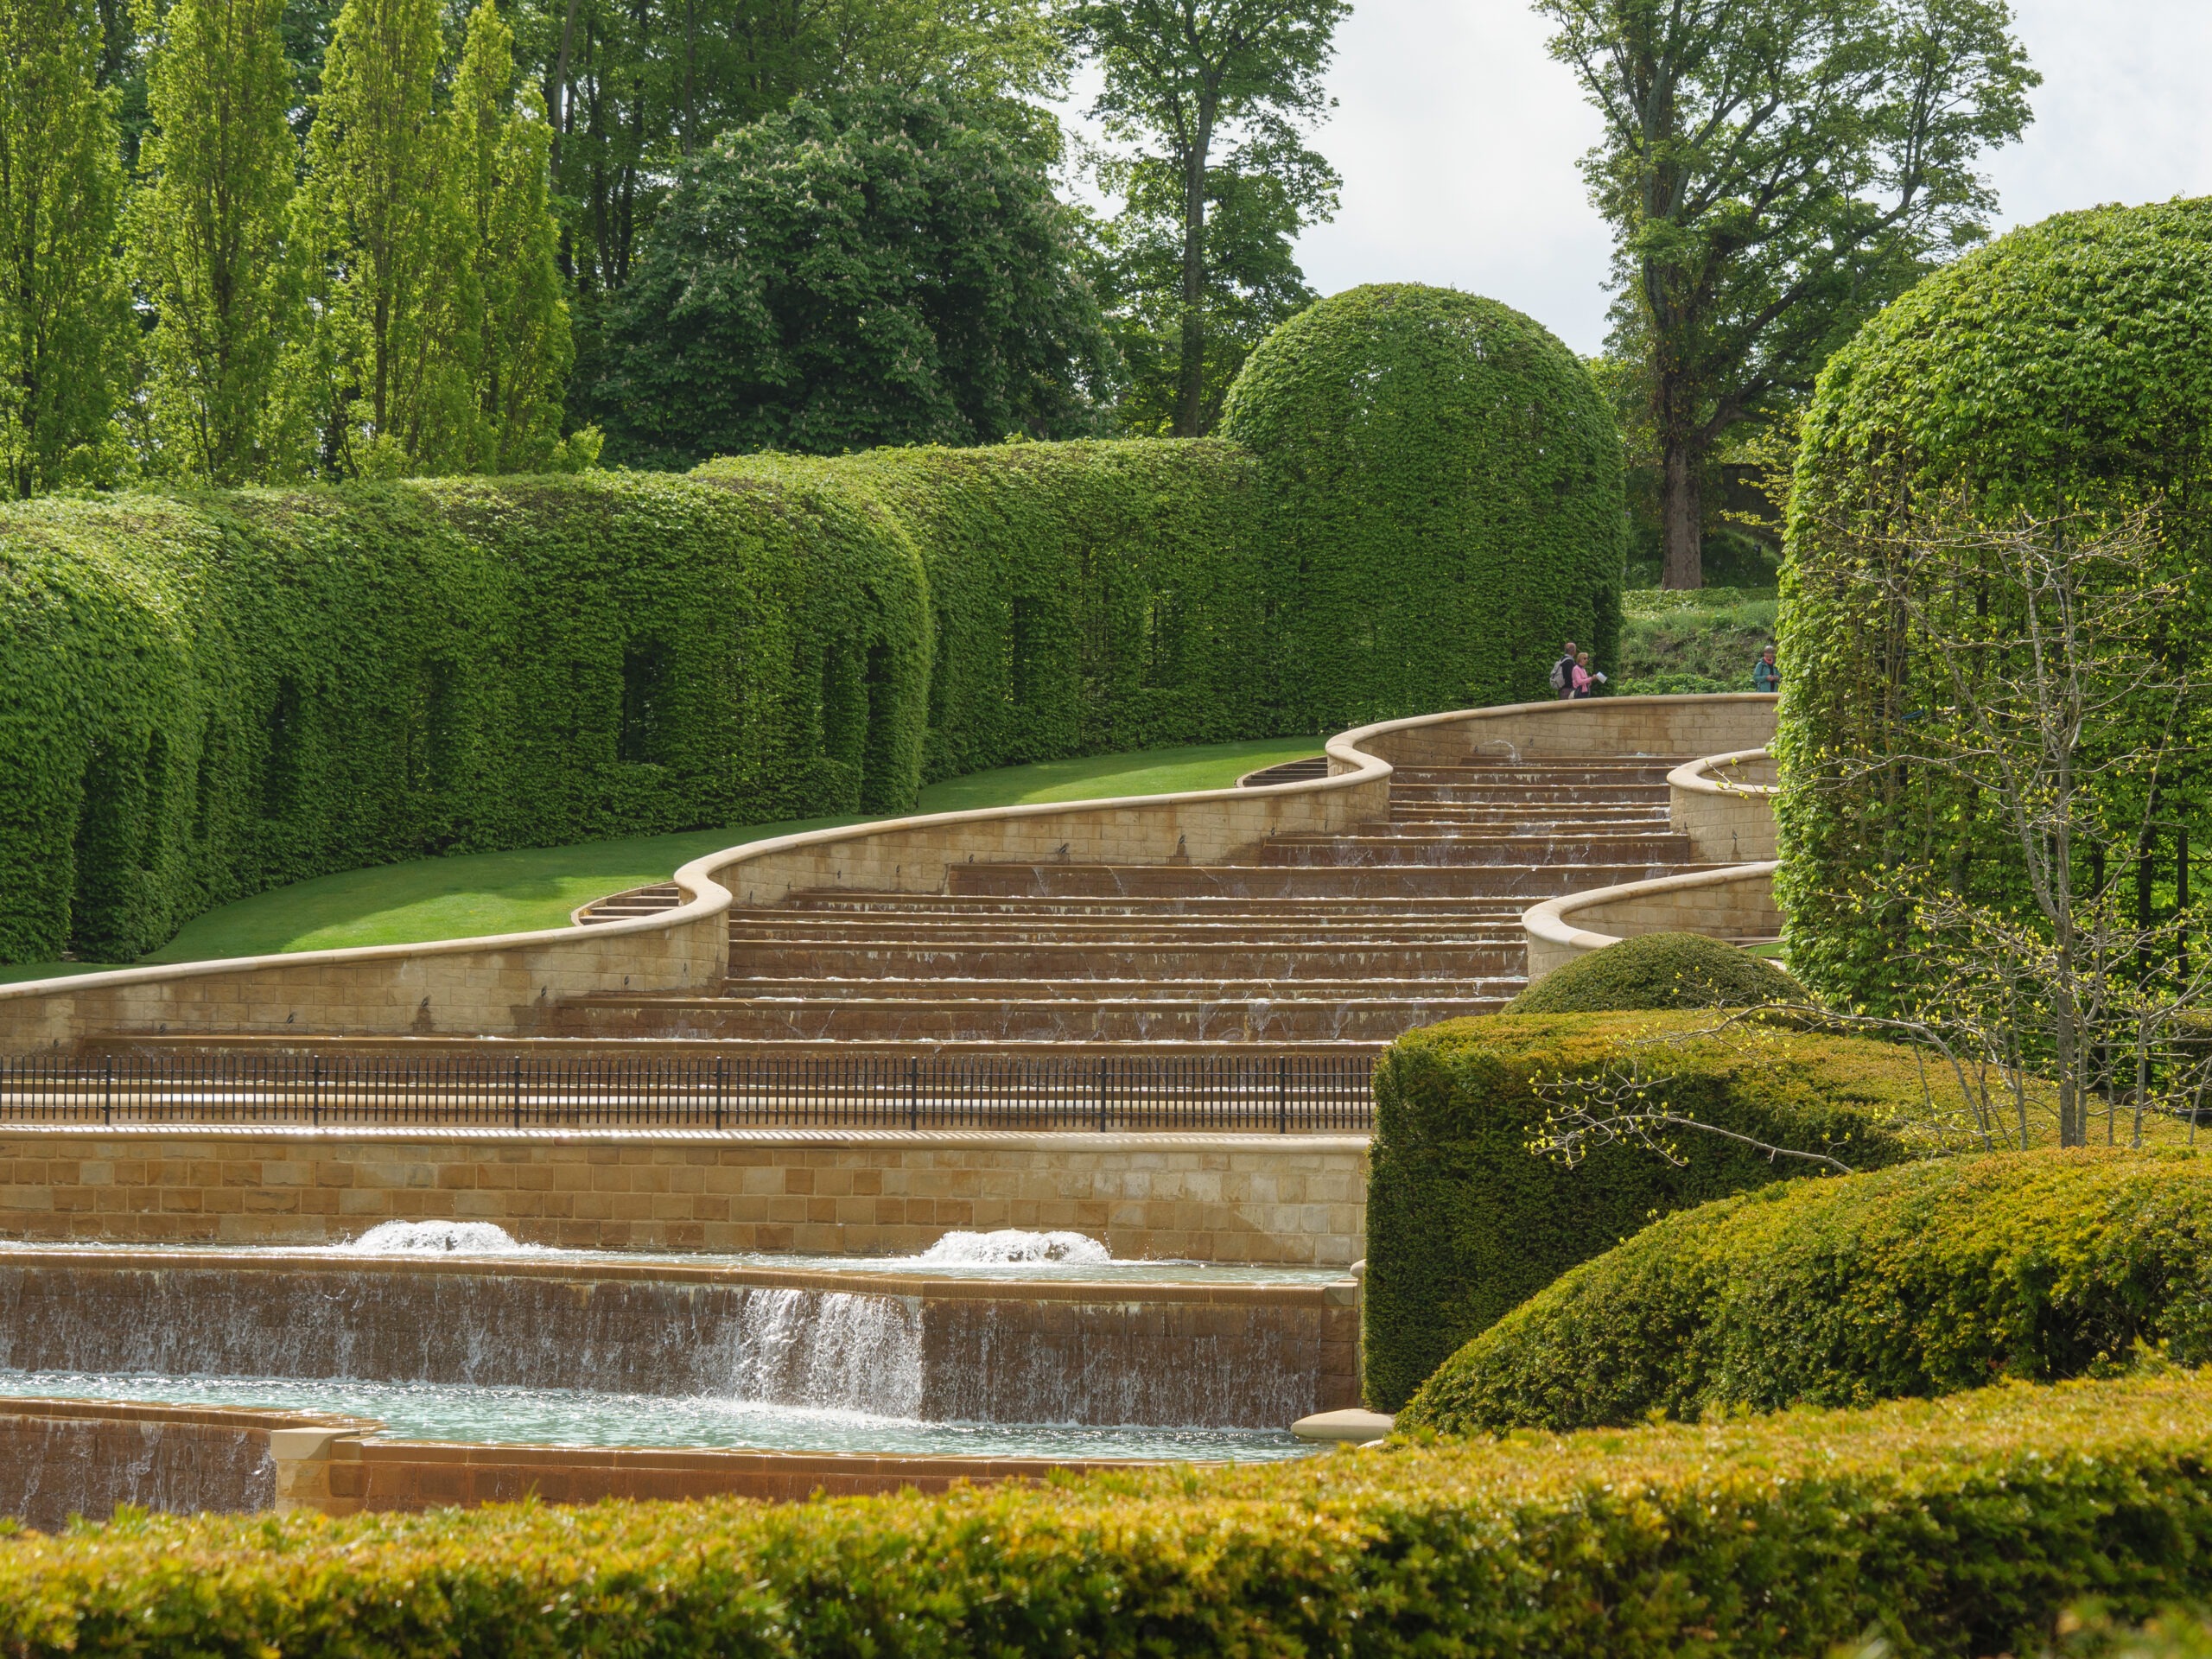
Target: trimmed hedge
x=1445, y=480
x=1089, y=597
x=1658, y=970
x=1925, y=1279
x=2062, y=366
x=1464, y=1223
x=206, y=695
x=1962, y=1527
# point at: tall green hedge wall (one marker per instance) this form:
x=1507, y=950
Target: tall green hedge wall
x=1464, y=1224
x=1089, y=597
x=2065, y=366
x=209, y=694
x=1443, y=483
x=202, y=696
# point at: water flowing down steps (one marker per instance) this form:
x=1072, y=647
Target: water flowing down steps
x=1318, y=944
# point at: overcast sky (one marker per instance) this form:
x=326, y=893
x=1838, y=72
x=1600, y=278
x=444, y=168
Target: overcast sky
x=1457, y=136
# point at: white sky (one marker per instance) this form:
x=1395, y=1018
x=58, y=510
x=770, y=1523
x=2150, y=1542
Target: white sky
x=1458, y=137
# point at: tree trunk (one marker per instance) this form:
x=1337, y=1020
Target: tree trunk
x=1191, y=390
x=1682, y=511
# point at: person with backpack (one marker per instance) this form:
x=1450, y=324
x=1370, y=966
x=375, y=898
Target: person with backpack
x=1563, y=673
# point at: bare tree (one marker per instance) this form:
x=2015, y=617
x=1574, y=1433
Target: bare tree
x=2041, y=717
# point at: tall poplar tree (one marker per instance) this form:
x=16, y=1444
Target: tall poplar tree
x=378, y=227
x=64, y=310
x=522, y=350
x=207, y=236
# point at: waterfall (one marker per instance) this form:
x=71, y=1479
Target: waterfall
x=829, y=1351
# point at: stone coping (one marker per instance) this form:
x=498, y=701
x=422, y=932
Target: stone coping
x=936, y=1139
x=1548, y=924
x=521, y=1265
x=704, y=882
x=133, y=1411
x=1696, y=775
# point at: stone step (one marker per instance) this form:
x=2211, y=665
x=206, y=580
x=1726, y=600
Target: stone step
x=1342, y=851
x=653, y=1049
x=872, y=932
x=1534, y=795
x=1082, y=988
x=1174, y=910
x=1395, y=881
x=1010, y=1019
x=867, y=964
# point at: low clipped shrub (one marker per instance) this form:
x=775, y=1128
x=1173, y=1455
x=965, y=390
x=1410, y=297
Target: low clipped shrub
x=1659, y=970
x=1465, y=1222
x=1924, y=1280
x=1959, y=1527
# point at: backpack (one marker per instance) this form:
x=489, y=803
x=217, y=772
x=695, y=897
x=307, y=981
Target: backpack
x=1560, y=671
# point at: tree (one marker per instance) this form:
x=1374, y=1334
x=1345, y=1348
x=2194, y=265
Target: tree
x=885, y=268
x=64, y=309
x=497, y=154
x=378, y=225
x=1182, y=80
x=2037, y=696
x=207, y=236
x=1775, y=171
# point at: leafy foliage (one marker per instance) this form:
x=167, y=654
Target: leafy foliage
x=1211, y=104
x=1924, y=1280
x=207, y=237
x=65, y=320
x=214, y=694
x=1957, y=1527
x=1774, y=172
x=1087, y=597
x=1658, y=970
x=2054, y=373
x=882, y=268
x=1464, y=1224
x=1450, y=480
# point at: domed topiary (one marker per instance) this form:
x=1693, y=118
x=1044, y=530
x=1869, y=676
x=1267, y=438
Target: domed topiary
x=2064, y=366
x=1659, y=970
x=1925, y=1279
x=1445, y=483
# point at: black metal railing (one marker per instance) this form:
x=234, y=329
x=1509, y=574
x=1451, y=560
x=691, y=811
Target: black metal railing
x=1282, y=1094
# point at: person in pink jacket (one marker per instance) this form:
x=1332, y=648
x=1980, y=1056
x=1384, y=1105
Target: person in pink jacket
x=1584, y=682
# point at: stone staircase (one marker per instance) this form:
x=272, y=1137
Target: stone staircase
x=1319, y=944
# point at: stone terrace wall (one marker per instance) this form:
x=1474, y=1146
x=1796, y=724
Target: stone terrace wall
x=506, y=985
x=1298, y=1199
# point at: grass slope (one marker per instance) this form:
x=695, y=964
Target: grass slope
x=477, y=894
x=1704, y=639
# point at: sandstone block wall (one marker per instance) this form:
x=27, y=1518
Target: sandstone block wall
x=1222, y=1198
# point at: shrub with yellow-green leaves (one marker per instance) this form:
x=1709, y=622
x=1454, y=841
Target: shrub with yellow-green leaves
x=1923, y=1280
x=1963, y=1526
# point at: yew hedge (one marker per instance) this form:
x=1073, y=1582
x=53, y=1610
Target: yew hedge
x=203, y=694
x=1965, y=1526
x=1924, y=1280
x=1464, y=1223
x=2061, y=369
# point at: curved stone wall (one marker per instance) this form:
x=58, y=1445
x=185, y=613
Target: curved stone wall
x=508, y=985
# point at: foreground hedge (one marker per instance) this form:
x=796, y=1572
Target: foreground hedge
x=1464, y=1223
x=1921, y=1281
x=1961, y=1527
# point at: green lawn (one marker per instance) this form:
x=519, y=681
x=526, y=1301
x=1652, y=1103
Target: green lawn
x=509, y=892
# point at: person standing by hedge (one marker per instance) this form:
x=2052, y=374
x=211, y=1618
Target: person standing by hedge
x=1587, y=681
x=1563, y=673
x=1765, y=675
